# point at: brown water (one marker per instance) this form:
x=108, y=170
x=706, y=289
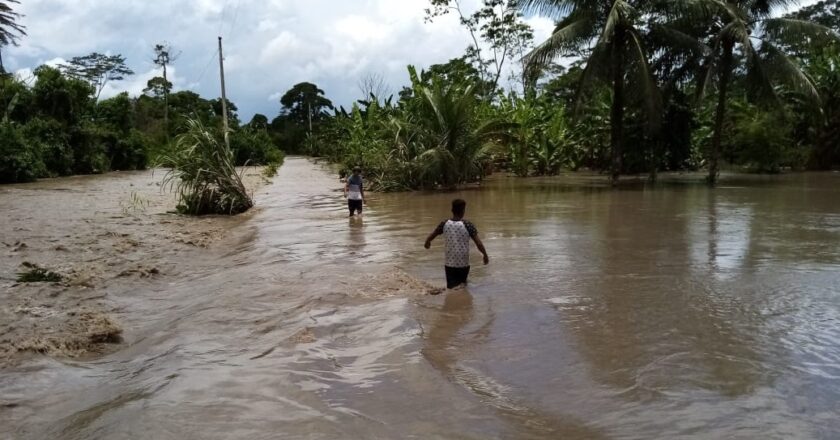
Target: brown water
x=665, y=312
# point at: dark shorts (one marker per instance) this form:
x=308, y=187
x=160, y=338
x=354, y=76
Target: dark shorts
x=354, y=205
x=456, y=276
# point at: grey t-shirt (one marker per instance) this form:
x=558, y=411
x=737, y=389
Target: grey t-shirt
x=354, y=187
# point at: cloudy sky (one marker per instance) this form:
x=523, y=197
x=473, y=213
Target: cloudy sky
x=269, y=44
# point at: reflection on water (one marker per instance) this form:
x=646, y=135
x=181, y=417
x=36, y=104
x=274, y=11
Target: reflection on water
x=441, y=346
x=647, y=312
x=444, y=348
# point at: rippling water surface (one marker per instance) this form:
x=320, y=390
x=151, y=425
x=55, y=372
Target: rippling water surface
x=666, y=312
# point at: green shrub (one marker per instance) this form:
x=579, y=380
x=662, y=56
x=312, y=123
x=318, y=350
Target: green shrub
x=19, y=161
x=204, y=174
x=761, y=141
x=127, y=151
x=254, y=147
x=89, y=150
x=53, y=143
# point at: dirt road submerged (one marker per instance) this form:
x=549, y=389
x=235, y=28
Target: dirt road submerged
x=676, y=312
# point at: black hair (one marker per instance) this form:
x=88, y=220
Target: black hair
x=458, y=207
x=357, y=169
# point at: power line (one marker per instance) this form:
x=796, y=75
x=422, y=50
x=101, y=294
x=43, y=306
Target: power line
x=235, y=17
x=207, y=66
x=213, y=51
x=222, y=17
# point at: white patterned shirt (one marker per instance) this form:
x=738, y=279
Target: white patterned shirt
x=457, y=236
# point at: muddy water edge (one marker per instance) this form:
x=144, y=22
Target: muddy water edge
x=646, y=312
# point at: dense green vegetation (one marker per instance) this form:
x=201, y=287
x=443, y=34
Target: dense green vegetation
x=651, y=86
x=57, y=125
x=645, y=86
x=204, y=174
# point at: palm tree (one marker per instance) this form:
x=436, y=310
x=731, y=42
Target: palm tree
x=453, y=145
x=618, y=55
x=10, y=31
x=746, y=28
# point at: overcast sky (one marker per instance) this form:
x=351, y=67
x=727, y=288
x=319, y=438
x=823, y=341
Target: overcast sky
x=269, y=44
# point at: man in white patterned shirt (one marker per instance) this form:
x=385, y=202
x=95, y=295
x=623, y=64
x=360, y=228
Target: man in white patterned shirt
x=457, y=233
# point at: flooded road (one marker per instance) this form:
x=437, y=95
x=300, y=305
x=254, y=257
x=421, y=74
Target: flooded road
x=665, y=312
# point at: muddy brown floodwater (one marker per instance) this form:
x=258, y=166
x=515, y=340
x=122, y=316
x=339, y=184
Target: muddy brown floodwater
x=672, y=311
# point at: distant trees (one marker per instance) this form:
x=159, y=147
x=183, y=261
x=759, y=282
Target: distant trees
x=304, y=109
x=498, y=32
x=97, y=69
x=164, y=56
x=373, y=84
x=57, y=127
x=644, y=86
x=305, y=102
x=158, y=87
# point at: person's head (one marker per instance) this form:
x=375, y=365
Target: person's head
x=459, y=207
x=357, y=171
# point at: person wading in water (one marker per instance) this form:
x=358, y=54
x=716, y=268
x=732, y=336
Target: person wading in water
x=355, y=192
x=457, y=233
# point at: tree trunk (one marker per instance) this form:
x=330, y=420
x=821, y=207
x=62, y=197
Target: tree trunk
x=724, y=77
x=617, y=111
x=2, y=69
x=654, y=159
x=165, y=105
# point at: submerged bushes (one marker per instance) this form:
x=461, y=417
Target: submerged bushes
x=204, y=174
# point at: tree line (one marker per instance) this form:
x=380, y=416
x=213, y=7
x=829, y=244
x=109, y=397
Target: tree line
x=646, y=86
x=55, y=124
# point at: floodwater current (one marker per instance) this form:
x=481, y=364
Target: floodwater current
x=668, y=311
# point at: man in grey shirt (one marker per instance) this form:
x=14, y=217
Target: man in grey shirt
x=355, y=192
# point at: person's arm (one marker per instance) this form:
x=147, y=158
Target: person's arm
x=362, y=191
x=346, y=187
x=481, y=249
x=438, y=230
x=474, y=235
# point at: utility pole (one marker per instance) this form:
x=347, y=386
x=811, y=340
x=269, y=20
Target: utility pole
x=224, y=98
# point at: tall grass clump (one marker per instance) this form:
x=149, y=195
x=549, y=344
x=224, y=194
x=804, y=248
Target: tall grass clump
x=204, y=175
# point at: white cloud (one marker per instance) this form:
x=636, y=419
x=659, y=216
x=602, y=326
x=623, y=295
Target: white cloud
x=269, y=44
x=26, y=75
x=54, y=62
x=284, y=46
x=135, y=84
